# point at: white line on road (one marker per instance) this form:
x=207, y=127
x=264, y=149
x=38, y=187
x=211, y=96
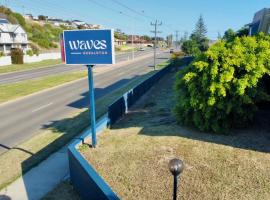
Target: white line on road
x=41, y=107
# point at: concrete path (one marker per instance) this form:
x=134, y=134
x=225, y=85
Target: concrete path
x=39, y=180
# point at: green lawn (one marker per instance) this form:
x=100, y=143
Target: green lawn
x=15, y=90
x=133, y=155
x=28, y=66
x=23, y=157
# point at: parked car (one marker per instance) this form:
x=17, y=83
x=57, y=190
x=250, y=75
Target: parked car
x=171, y=50
x=141, y=49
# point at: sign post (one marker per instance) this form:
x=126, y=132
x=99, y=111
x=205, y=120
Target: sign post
x=92, y=104
x=89, y=47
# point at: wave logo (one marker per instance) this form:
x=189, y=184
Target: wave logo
x=87, y=44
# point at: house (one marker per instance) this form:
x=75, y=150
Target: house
x=79, y=23
x=118, y=42
x=28, y=17
x=58, y=22
x=12, y=36
x=261, y=22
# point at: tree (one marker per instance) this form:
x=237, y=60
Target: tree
x=184, y=38
x=42, y=17
x=220, y=90
x=119, y=35
x=219, y=36
x=200, y=30
x=244, y=31
x=199, y=35
x=190, y=47
x=147, y=38
x=229, y=35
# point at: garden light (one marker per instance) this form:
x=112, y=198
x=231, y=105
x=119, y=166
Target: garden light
x=176, y=167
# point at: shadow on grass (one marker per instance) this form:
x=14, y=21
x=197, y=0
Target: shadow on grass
x=17, y=148
x=67, y=129
x=4, y=197
x=154, y=115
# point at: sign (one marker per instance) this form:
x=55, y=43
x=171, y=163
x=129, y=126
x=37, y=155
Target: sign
x=88, y=47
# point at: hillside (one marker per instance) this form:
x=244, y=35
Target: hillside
x=44, y=35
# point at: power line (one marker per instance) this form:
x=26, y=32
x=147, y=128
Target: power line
x=131, y=9
x=112, y=9
x=156, y=24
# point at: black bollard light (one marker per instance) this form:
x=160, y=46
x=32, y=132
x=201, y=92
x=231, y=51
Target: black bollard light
x=176, y=167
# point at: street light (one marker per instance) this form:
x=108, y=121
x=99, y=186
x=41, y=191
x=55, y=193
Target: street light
x=176, y=167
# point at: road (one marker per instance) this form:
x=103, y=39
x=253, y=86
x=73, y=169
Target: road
x=62, y=68
x=21, y=119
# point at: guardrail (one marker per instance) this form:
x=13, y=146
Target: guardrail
x=83, y=176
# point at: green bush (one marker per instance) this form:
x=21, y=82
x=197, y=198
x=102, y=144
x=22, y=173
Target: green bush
x=190, y=47
x=176, y=58
x=29, y=52
x=34, y=48
x=2, y=54
x=17, y=56
x=220, y=90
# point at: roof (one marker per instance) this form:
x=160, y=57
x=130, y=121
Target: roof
x=8, y=28
x=4, y=21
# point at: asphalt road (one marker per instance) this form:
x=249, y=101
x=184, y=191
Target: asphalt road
x=62, y=68
x=23, y=118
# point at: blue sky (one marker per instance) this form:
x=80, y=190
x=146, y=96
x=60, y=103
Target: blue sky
x=181, y=15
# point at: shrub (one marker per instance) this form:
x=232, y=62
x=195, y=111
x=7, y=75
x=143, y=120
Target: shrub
x=176, y=58
x=17, y=56
x=34, y=48
x=221, y=88
x=117, y=48
x=29, y=52
x=2, y=54
x=190, y=47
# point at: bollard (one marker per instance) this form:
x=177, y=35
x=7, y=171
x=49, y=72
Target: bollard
x=176, y=167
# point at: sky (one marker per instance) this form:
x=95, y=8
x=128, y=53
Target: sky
x=135, y=16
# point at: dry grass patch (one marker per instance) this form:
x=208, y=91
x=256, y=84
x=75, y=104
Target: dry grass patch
x=64, y=191
x=133, y=156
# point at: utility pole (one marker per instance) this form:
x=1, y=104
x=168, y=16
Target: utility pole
x=176, y=38
x=156, y=24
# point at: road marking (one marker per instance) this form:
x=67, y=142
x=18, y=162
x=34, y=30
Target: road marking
x=41, y=107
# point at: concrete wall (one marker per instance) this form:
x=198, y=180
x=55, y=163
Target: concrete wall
x=6, y=60
x=40, y=57
x=85, y=180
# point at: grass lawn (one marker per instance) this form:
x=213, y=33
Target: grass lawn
x=133, y=156
x=28, y=66
x=14, y=90
x=23, y=157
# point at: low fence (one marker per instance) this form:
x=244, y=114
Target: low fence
x=6, y=60
x=83, y=176
x=120, y=107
